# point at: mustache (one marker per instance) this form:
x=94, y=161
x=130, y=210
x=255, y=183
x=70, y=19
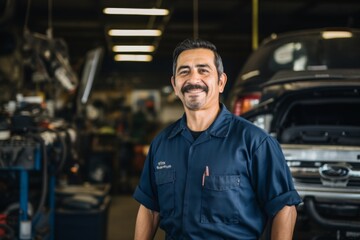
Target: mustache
x=194, y=86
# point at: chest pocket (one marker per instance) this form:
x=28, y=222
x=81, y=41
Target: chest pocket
x=220, y=199
x=165, y=181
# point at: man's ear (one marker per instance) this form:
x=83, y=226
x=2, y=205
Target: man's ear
x=222, y=82
x=173, y=84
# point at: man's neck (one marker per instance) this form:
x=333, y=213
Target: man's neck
x=200, y=120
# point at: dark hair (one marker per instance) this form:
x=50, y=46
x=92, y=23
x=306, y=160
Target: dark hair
x=197, y=43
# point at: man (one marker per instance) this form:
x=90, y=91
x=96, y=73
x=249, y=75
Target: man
x=212, y=175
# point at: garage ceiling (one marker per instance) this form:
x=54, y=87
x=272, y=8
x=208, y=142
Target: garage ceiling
x=227, y=23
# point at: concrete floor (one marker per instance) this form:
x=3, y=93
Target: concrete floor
x=121, y=219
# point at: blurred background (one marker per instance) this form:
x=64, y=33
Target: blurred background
x=85, y=86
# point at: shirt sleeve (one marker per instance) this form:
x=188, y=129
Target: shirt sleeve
x=145, y=193
x=271, y=177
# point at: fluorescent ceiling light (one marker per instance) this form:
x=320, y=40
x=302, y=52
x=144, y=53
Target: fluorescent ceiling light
x=137, y=11
x=133, y=58
x=336, y=34
x=133, y=48
x=135, y=32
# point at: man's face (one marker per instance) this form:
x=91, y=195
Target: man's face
x=196, y=81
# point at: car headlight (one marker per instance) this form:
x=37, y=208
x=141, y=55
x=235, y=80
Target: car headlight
x=263, y=121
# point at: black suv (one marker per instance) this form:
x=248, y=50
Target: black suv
x=306, y=50
x=314, y=113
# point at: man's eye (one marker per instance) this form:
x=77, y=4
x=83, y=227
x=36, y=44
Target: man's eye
x=183, y=72
x=203, y=71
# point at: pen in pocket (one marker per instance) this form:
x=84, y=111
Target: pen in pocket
x=205, y=174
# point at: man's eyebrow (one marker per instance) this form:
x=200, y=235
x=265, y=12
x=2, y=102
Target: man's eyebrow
x=203, y=65
x=197, y=66
x=183, y=67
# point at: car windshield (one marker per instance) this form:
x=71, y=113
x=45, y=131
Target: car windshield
x=300, y=53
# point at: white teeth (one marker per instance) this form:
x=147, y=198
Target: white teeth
x=195, y=90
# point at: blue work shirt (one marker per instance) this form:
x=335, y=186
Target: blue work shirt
x=247, y=181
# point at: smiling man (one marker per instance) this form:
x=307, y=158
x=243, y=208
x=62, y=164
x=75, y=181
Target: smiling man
x=211, y=174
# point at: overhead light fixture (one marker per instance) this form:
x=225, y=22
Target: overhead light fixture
x=135, y=32
x=336, y=34
x=133, y=58
x=137, y=11
x=133, y=48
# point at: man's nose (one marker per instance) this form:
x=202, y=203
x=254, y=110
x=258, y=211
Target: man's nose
x=194, y=76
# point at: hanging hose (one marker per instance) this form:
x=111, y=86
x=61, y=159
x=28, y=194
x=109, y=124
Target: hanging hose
x=45, y=177
x=7, y=11
x=196, y=19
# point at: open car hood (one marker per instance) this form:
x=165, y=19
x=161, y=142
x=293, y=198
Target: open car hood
x=286, y=76
x=288, y=82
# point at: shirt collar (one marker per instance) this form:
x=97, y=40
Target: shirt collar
x=219, y=128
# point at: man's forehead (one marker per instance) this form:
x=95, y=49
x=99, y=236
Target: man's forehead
x=198, y=56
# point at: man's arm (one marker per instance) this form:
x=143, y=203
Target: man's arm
x=146, y=224
x=283, y=224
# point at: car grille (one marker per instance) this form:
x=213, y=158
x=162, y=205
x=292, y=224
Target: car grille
x=327, y=166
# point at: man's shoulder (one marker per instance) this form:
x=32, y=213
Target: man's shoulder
x=244, y=123
x=244, y=126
